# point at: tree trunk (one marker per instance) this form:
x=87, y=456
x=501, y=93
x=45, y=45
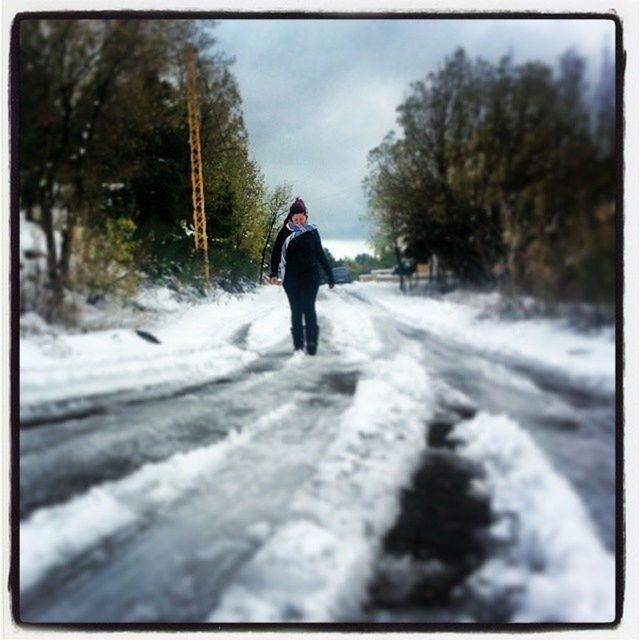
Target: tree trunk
x=399, y=261
x=69, y=236
x=264, y=248
x=69, y=233
x=52, y=257
x=54, y=301
x=511, y=237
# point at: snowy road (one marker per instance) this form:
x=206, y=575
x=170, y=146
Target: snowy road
x=420, y=468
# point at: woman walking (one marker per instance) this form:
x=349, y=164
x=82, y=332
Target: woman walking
x=296, y=255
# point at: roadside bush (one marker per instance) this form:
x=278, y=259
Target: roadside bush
x=108, y=261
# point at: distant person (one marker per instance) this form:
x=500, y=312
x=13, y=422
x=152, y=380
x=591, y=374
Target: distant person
x=296, y=257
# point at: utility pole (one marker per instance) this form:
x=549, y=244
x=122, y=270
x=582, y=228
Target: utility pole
x=199, y=216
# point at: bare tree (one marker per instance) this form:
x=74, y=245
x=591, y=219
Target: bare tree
x=278, y=201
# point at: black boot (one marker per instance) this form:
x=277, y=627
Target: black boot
x=298, y=339
x=312, y=339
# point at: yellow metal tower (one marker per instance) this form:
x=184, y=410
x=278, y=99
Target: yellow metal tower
x=199, y=217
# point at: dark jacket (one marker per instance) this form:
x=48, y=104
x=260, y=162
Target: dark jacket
x=304, y=256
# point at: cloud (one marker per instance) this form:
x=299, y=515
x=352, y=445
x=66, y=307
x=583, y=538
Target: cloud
x=318, y=95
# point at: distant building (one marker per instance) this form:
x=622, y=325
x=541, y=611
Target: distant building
x=423, y=273
x=379, y=275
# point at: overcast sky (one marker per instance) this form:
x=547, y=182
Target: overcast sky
x=319, y=94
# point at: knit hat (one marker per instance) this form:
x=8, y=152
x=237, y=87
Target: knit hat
x=298, y=207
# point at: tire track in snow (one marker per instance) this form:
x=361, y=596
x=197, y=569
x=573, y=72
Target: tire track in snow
x=306, y=546
x=538, y=567
x=548, y=562
x=549, y=373
x=57, y=535
x=224, y=512
x=61, y=460
x=317, y=565
x=51, y=534
x=568, y=422
x=124, y=431
x=480, y=538
x=129, y=504
x=159, y=372
x=198, y=342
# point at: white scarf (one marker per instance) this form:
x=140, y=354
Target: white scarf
x=297, y=230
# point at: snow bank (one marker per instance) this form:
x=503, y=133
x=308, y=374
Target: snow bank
x=145, y=368
x=55, y=536
x=589, y=358
x=194, y=347
x=158, y=299
x=550, y=564
x=32, y=238
x=317, y=565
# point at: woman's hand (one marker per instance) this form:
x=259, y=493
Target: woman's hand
x=273, y=280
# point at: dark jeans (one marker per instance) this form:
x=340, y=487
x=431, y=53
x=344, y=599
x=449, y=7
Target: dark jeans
x=302, y=300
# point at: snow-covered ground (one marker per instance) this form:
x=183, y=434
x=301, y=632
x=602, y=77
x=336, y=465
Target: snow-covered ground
x=549, y=563
x=273, y=478
x=195, y=345
x=550, y=342
x=198, y=343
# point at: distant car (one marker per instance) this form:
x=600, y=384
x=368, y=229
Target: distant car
x=341, y=275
